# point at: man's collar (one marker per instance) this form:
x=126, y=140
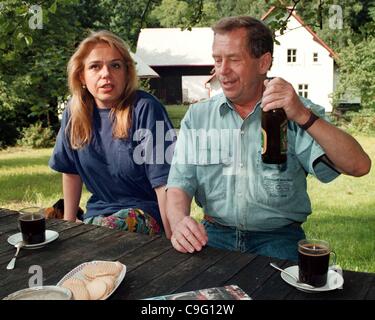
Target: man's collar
x=226, y=105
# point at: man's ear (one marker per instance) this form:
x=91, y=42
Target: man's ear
x=265, y=63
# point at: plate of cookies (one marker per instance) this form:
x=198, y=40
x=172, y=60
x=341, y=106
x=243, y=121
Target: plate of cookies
x=95, y=280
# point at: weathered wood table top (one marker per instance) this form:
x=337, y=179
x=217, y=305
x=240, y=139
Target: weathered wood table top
x=153, y=267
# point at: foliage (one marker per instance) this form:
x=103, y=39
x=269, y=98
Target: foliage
x=357, y=72
x=8, y=134
x=198, y=13
x=33, y=60
x=37, y=137
x=126, y=18
x=360, y=122
x=34, y=50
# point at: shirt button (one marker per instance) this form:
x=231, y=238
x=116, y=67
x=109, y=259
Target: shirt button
x=241, y=165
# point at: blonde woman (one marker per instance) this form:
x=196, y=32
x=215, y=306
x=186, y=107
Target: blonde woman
x=115, y=139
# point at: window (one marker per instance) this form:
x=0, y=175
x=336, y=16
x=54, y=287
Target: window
x=315, y=57
x=303, y=90
x=292, y=55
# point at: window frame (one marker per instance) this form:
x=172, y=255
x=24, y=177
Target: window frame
x=291, y=55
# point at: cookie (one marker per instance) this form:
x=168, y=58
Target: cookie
x=91, y=271
x=78, y=288
x=97, y=289
x=109, y=281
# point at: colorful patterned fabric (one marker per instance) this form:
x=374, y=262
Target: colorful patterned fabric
x=133, y=220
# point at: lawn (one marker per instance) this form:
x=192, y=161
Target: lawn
x=343, y=211
x=176, y=113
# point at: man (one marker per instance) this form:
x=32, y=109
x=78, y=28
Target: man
x=249, y=205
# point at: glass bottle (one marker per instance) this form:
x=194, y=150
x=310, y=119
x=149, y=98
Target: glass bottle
x=274, y=136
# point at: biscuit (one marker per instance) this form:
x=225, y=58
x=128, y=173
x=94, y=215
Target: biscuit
x=109, y=281
x=97, y=289
x=78, y=288
x=91, y=271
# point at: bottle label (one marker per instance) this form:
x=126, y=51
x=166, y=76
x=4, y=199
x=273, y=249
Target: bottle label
x=284, y=137
x=264, y=141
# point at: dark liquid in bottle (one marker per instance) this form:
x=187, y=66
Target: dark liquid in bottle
x=274, y=136
x=33, y=228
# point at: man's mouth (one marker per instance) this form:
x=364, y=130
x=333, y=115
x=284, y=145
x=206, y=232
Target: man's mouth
x=227, y=83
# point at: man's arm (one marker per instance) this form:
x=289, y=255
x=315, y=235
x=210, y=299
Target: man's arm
x=187, y=234
x=72, y=189
x=341, y=149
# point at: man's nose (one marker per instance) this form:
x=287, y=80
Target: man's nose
x=224, y=68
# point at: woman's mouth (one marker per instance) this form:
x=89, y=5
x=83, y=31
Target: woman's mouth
x=106, y=88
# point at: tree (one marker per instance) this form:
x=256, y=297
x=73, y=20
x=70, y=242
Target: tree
x=357, y=72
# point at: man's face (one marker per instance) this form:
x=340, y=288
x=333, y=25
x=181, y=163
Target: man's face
x=239, y=74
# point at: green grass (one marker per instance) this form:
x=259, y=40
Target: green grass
x=343, y=210
x=176, y=113
x=26, y=180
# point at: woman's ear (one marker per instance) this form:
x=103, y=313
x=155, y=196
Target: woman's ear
x=265, y=63
x=82, y=79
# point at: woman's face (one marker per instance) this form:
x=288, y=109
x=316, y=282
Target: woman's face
x=104, y=75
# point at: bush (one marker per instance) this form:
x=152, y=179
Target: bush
x=8, y=134
x=36, y=136
x=358, y=122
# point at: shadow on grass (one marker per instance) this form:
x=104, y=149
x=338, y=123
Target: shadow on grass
x=24, y=162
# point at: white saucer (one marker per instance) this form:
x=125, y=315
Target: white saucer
x=50, y=236
x=334, y=280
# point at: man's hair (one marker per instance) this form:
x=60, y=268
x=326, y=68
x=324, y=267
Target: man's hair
x=259, y=36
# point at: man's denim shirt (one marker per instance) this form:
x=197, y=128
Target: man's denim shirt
x=218, y=161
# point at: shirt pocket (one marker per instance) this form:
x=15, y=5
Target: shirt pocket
x=211, y=173
x=276, y=184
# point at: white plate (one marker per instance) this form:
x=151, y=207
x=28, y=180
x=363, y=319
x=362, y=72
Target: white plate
x=334, y=280
x=76, y=273
x=50, y=236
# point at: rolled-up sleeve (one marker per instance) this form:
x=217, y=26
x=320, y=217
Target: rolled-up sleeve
x=310, y=153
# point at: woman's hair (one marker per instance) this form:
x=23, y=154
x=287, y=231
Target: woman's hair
x=79, y=128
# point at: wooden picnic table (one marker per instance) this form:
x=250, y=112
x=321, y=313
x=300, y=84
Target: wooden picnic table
x=154, y=268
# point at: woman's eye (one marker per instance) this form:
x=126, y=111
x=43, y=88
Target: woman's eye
x=94, y=67
x=116, y=65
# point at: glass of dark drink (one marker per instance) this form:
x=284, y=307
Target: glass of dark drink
x=32, y=224
x=313, y=261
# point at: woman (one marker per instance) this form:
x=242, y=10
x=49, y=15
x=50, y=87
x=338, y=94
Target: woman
x=113, y=139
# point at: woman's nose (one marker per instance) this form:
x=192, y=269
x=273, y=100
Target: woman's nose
x=104, y=72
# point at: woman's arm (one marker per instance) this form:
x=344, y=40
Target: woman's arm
x=162, y=197
x=72, y=189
